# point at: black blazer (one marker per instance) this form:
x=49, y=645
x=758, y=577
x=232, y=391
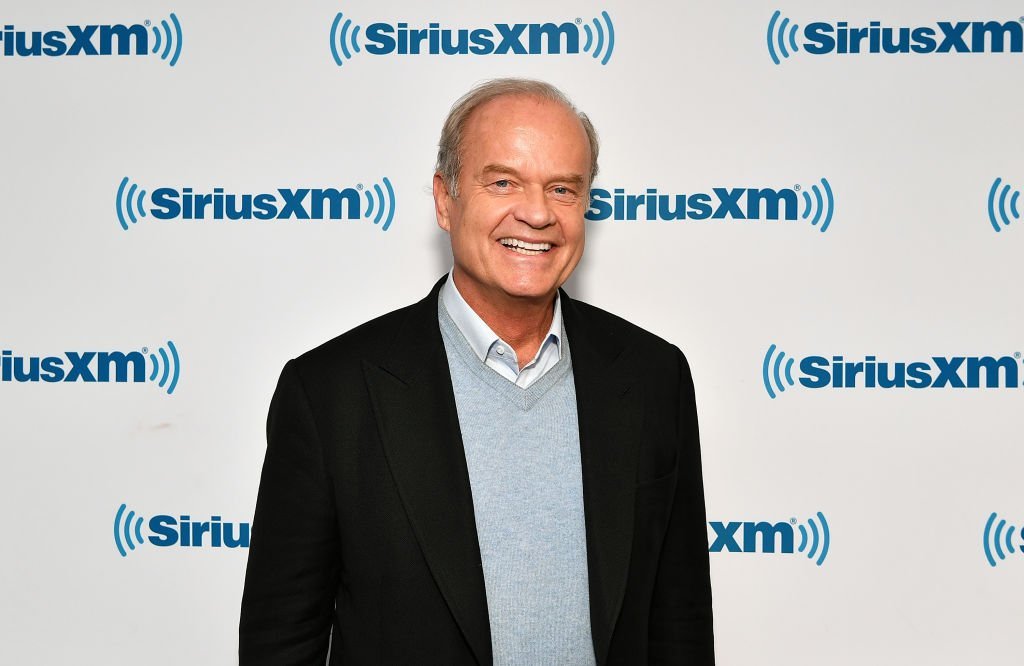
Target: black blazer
x=364, y=521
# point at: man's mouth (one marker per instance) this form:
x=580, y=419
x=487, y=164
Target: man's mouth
x=522, y=247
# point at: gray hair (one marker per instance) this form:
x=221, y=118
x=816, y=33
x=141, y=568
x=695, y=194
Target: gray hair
x=449, y=148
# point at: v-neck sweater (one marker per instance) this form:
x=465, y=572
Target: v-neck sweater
x=522, y=450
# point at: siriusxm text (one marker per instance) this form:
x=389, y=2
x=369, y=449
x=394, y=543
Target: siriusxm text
x=73, y=366
x=937, y=372
x=737, y=203
x=499, y=39
x=76, y=40
x=298, y=204
x=942, y=37
x=187, y=533
x=751, y=537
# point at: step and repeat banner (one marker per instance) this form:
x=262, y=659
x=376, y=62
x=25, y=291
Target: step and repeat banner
x=819, y=202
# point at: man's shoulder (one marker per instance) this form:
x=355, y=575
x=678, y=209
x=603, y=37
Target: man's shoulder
x=369, y=340
x=619, y=331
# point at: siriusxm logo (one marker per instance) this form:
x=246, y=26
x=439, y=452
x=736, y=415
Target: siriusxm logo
x=182, y=531
x=768, y=537
x=596, y=37
x=958, y=372
x=1002, y=205
x=998, y=539
x=97, y=40
x=722, y=203
x=376, y=203
x=823, y=38
x=164, y=367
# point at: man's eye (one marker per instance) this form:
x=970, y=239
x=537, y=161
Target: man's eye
x=501, y=183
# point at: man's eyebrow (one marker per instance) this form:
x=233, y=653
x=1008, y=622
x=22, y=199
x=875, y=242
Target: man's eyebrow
x=500, y=168
x=572, y=178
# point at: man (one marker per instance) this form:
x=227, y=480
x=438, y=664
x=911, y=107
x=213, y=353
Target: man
x=497, y=473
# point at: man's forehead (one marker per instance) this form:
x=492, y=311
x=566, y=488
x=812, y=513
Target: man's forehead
x=524, y=113
x=520, y=104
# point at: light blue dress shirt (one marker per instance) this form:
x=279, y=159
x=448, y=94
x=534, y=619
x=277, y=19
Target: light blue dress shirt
x=495, y=352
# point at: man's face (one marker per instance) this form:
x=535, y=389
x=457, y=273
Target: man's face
x=517, y=225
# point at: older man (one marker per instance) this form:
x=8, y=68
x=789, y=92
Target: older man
x=497, y=473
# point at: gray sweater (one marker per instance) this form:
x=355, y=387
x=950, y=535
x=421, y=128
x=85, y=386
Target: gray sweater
x=523, y=452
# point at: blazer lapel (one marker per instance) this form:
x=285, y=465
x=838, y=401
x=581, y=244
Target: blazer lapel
x=609, y=410
x=414, y=405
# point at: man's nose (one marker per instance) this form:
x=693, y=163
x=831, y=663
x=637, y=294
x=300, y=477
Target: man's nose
x=534, y=208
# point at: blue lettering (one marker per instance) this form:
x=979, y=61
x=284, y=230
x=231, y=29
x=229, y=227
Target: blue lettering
x=120, y=362
x=953, y=37
x=918, y=375
x=164, y=530
x=817, y=370
x=53, y=370
x=483, y=42
x=554, y=33
x=510, y=38
x=997, y=34
x=599, y=209
x=379, y=39
x=949, y=371
x=165, y=204
x=53, y=43
x=265, y=206
x=819, y=37
x=83, y=40
x=123, y=36
x=924, y=40
x=725, y=537
x=700, y=205
x=768, y=533
x=80, y=366
x=992, y=367
x=729, y=203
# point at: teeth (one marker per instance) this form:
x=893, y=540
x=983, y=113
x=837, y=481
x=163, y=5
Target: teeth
x=522, y=247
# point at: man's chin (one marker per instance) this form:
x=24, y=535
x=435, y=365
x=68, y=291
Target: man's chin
x=531, y=292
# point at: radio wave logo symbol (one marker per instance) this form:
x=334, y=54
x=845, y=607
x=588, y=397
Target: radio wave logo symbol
x=380, y=205
x=603, y=47
x=996, y=539
x=167, y=39
x=821, y=206
x=128, y=203
x=775, y=378
x=818, y=543
x=343, y=42
x=127, y=530
x=781, y=37
x=998, y=206
x=165, y=364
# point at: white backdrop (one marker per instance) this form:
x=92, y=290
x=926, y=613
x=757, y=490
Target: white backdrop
x=911, y=267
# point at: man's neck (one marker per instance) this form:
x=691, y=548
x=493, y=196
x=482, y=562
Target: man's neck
x=521, y=322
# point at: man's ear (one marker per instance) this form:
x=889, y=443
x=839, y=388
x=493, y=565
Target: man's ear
x=442, y=203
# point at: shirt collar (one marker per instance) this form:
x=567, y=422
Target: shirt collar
x=478, y=334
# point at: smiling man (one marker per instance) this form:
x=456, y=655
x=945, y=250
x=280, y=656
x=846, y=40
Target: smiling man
x=498, y=473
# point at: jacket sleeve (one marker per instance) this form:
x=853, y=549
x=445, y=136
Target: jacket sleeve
x=680, y=629
x=292, y=574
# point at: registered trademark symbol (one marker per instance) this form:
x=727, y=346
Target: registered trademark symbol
x=1022, y=19
x=1016, y=354
x=359, y=186
x=579, y=20
x=792, y=521
x=145, y=350
x=796, y=188
x=147, y=22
